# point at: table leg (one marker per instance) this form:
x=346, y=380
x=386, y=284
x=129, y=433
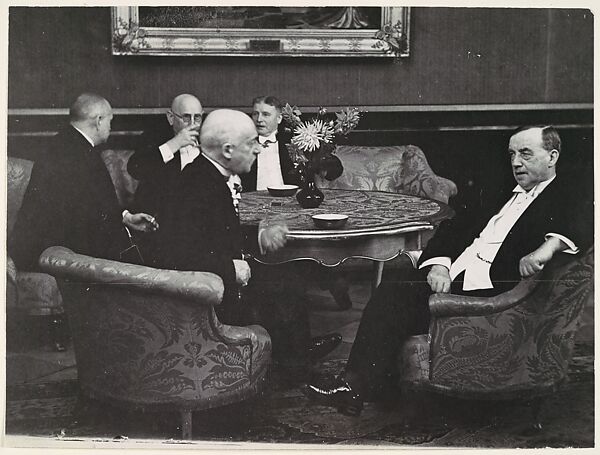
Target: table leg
x=377, y=274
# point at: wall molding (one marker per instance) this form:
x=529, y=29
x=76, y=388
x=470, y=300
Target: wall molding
x=396, y=108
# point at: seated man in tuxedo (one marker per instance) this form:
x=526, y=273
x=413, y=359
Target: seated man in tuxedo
x=163, y=155
x=274, y=167
x=483, y=254
x=71, y=200
x=203, y=232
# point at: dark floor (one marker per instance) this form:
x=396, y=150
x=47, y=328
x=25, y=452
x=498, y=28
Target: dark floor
x=42, y=402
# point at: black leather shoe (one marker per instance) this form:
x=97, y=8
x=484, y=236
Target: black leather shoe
x=338, y=394
x=323, y=345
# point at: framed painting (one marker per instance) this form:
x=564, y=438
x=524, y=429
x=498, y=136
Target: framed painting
x=346, y=31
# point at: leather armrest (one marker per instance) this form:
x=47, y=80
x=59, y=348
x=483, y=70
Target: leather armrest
x=199, y=287
x=444, y=305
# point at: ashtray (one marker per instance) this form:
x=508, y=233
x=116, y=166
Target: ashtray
x=282, y=190
x=330, y=220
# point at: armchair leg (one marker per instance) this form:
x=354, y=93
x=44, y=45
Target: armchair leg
x=59, y=332
x=186, y=425
x=377, y=275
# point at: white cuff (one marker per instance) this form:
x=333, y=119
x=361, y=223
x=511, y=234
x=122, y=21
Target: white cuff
x=440, y=260
x=125, y=212
x=166, y=152
x=572, y=248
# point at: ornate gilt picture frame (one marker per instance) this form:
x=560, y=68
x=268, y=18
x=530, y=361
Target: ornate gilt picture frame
x=261, y=31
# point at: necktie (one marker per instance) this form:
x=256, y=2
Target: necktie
x=267, y=142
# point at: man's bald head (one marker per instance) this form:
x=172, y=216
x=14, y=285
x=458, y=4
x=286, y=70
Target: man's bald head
x=92, y=114
x=230, y=138
x=185, y=110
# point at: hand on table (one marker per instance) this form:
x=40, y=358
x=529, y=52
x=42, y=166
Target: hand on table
x=439, y=279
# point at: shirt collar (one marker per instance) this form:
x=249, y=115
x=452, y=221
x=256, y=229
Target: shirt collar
x=222, y=170
x=87, y=138
x=272, y=137
x=536, y=190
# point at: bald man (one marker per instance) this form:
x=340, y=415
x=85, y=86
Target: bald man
x=204, y=233
x=164, y=153
x=71, y=200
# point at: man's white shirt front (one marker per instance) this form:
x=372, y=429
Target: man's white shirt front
x=187, y=154
x=268, y=170
x=477, y=258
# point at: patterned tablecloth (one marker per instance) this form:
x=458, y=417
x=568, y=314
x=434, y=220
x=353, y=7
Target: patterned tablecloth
x=368, y=211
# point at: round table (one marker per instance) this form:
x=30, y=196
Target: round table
x=380, y=225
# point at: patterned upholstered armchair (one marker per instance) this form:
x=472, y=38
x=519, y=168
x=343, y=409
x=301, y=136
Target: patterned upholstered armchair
x=517, y=344
x=148, y=338
x=397, y=169
x=34, y=294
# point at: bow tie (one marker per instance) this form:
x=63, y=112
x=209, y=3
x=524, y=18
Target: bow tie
x=267, y=142
x=237, y=187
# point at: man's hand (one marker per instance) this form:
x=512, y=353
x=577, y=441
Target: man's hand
x=186, y=136
x=272, y=237
x=242, y=272
x=536, y=260
x=140, y=222
x=439, y=279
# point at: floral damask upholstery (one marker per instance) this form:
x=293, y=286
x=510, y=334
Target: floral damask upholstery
x=519, y=341
x=397, y=169
x=125, y=185
x=31, y=292
x=145, y=337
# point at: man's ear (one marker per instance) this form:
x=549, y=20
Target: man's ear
x=98, y=121
x=279, y=118
x=554, y=154
x=169, y=117
x=227, y=150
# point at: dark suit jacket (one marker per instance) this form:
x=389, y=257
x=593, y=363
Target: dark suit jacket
x=557, y=210
x=70, y=201
x=203, y=232
x=156, y=178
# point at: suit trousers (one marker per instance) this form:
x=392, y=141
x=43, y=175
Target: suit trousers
x=275, y=298
x=397, y=310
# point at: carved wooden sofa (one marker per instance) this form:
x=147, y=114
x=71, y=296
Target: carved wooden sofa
x=515, y=345
x=148, y=338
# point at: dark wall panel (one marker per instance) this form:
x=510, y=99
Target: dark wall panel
x=458, y=56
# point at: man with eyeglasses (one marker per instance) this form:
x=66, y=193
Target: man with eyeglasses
x=157, y=165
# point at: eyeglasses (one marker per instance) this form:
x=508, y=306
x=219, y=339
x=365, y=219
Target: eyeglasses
x=188, y=118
